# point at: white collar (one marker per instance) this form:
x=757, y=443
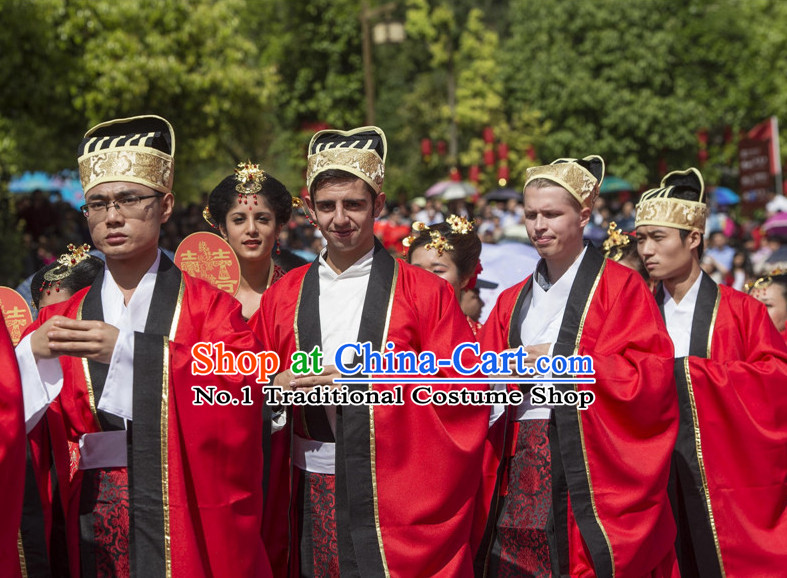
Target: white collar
x=360, y=268
x=116, y=312
x=689, y=299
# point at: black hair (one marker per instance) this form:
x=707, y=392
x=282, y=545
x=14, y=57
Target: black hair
x=337, y=176
x=81, y=275
x=274, y=192
x=466, y=251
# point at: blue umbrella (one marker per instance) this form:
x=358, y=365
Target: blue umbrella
x=725, y=196
x=613, y=184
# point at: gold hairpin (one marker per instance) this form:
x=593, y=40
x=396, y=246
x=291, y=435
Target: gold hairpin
x=250, y=178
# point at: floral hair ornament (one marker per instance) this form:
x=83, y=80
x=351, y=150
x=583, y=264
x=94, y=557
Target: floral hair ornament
x=67, y=262
x=459, y=226
x=615, y=242
x=250, y=178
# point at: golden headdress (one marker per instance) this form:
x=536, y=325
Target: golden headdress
x=764, y=281
x=616, y=240
x=360, y=151
x=661, y=206
x=580, y=177
x=67, y=261
x=139, y=149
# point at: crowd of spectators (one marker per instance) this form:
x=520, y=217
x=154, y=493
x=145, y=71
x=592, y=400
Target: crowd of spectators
x=736, y=250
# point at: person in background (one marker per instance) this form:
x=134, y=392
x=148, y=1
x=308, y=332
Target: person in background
x=249, y=209
x=621, y=247
x=450, y=250
x=771, y=290
x=742, y=272
x=717, y=257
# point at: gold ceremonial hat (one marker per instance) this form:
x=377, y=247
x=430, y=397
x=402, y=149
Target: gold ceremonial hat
x=360, y=151
x=140, y=149
x=580, y=177
x=663, y=206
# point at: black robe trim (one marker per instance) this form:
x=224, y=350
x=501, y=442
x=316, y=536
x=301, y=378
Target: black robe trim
x=149, y=551
x=488, y=555
x=570, y=475
x=316, y=422
x=360, y=547
x=695, y=543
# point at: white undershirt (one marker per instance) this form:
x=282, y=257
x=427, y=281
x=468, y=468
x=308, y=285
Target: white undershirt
x=342, y=296
x=42, y=381
x=680, y=316
x=540, y=323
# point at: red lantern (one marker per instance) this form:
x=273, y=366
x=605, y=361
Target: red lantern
x=489, y=135
x=502, y=172
x=473, y=174
x=502, y=151
x=489, y=156
x=456, y=176
x=531, y=153
x=426, y=147
x=442, y=148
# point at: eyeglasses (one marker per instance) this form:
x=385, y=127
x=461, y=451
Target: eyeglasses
x=124, y=205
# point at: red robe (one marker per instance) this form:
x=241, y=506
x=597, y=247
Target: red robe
x=12, y=455
x=196, y=492
x=731, y=452
x=610, y=462
x=406, y=488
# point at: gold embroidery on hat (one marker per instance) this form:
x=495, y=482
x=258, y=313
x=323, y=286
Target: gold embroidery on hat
x=574, y=178
x=365, y=164
x=136, y=166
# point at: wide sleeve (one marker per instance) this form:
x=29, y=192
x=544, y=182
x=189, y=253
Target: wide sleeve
x=616, y=453
x=739, y=400
x=12, y=454
x=221, y=445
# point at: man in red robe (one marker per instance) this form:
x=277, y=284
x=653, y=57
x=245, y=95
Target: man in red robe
x=12, y=454
x=150, y=481
x=730, y=462
x=378, y=489
x=582, y=492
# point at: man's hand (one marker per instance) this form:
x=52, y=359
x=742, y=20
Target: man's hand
x=310, y=380
x=63, y=336
x=533, y=353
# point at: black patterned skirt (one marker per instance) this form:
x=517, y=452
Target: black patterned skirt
x=521, y=548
